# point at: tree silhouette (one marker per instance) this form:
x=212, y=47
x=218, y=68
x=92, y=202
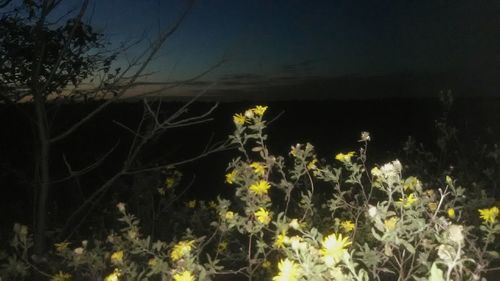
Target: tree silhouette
x=40, y=60
x=45, y=62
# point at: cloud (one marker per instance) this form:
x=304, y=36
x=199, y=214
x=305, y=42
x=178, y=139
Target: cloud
x=302, y=67
x=249, y=86
x=241, y=79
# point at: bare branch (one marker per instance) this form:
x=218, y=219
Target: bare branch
x=183, y=109
x=89, y=168
x=180, y=83
x=66, y=14
x=153, y=50
x=191, y=119
x=188, y=124
x=128, y=129
x=135, y=148
x=67, y=44
x=92, y=198
x=153, y=114
x=176, y=197
x=219, y=148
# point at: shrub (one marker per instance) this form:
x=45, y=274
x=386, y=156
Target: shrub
x=297, y=218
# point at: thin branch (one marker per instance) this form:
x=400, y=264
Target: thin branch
x=70, y=11
x=222, y=147
x=128, y=129
x=153, y=114
x=89, y=168
x=153, y=50
x=66, y=45
x=180, y=83
x=276, y=117
x=189, y=124
x=135, y=148
x=190, y=119
x=183, y=108
x=190, y=184
x=92, y=199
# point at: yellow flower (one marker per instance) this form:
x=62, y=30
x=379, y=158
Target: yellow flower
x=169, y=182
x=345, y=157
x=262, y=216
x=231, y=177
x=347, y=225
x=259, y=110
x=408, y=201
x=185, y=276
x=266, y=264
x=334, y=247
x=451, y=213
x=390, y=224
x=117, y=257
x=280, y=240
x=312, y=164
x=239, y=119
x=289, y=271
x=191, y=204
x=61, y=276
x=60, y=247
x=113, y=276
x=489, y=215
x=260, y=187
x=181, y=249
x=258, y=168
x=229, y=215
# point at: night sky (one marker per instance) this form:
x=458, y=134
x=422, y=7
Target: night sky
x=292, y=47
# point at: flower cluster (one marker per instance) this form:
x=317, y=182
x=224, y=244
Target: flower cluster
x=489, y=215
x=260, y=188
x=345, y=157
x=240, y=119
x=334, y=248
x=181, y=249
x=300, y=218
x=288, y=271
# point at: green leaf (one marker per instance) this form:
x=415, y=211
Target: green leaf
x=408, y=247
x=375, y=235
x=493, y=254
x=436, y=273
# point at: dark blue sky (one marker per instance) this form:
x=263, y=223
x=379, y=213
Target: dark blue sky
x=268, y=40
